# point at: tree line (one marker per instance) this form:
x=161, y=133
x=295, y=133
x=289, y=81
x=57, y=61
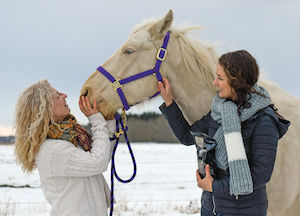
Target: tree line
x=148, y=127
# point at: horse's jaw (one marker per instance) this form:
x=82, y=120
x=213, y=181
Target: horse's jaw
x=192, y=94
x=194, y=107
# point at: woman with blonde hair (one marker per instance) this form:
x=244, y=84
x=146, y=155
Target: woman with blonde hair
x=70, y=161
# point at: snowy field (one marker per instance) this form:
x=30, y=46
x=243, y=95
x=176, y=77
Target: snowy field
x=165, y=183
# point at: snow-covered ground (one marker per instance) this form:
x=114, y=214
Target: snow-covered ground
x=165, y=183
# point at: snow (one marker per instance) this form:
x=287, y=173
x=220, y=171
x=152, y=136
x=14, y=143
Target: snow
x=165, y=183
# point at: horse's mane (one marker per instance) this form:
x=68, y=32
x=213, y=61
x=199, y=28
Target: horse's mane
x=195, y=55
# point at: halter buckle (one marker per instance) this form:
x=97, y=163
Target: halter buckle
x=159, y=52
x=116, y=84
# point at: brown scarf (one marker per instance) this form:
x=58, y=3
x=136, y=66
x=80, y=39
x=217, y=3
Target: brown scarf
x=71, y=131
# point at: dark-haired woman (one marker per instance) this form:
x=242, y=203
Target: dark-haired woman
x=246, y=128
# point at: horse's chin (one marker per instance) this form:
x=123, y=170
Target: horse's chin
x=107, y=113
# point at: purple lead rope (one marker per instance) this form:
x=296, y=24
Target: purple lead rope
x=121, y=128
x=119, y=123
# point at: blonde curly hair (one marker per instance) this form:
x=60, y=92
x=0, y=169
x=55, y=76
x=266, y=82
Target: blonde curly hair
x=33, y=115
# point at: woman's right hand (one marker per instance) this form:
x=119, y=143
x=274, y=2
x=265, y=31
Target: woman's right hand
x=86, y=108
x=165, y=91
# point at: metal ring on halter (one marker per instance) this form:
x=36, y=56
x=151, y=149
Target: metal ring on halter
x=116, y=84
x=159, y=52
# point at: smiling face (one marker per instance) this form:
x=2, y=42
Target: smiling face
x=60, y=107
x=222, y=84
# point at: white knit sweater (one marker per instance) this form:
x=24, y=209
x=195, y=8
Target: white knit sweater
x=71, y=178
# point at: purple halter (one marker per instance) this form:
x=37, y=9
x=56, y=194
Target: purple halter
x=117, y=83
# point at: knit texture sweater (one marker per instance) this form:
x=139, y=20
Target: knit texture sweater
x=71, y=179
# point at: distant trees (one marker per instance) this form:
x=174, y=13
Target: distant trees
x=7, y=139
x=148, y=127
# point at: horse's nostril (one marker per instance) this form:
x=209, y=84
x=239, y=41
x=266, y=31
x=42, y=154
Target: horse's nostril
x=85, y=92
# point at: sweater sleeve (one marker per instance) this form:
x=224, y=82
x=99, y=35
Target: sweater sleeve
x=67, y=160
x=111, y=125
x=180, y=126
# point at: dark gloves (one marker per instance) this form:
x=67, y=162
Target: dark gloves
x=205, y=152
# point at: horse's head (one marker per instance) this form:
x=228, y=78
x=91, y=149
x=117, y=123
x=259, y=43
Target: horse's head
x=136, y=55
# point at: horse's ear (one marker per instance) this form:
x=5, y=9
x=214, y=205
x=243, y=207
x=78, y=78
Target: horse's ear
x=162, y=25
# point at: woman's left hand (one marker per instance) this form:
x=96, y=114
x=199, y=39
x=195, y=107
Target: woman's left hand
x=206, y=182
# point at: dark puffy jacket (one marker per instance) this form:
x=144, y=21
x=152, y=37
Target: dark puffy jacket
x=260, y=135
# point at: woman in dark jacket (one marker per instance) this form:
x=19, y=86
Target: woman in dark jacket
x=246, y=128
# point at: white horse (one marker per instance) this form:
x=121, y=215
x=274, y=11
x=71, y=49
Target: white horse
x=190, y=67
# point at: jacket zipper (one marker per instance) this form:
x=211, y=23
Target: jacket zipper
x=214, y=205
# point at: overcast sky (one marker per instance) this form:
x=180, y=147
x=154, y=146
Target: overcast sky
x=64, y=41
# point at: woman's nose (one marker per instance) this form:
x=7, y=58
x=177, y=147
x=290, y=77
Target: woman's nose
x=215, y=82
x=64, y=95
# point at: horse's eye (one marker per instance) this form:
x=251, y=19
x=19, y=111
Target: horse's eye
x=128, y=51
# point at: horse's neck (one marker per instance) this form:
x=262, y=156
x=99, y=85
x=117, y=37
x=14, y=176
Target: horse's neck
x=190, y=92
x=286, y=103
